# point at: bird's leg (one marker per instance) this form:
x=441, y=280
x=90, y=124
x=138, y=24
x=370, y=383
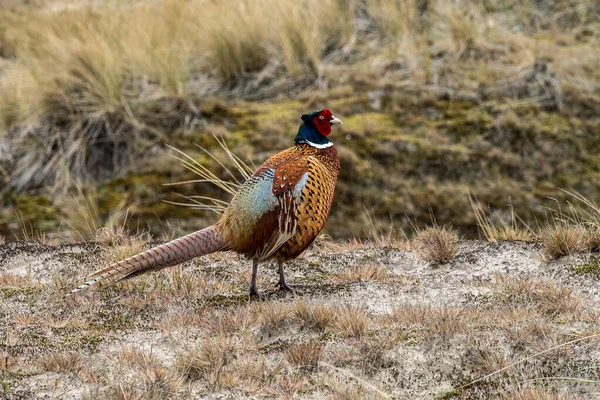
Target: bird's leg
x=282, y=283
x=253, y=290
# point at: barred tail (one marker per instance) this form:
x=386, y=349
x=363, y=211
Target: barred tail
x=195, y=244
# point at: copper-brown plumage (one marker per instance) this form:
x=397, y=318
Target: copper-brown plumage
x=276, y=214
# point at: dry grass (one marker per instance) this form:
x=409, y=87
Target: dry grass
x=305, y=354
x=574, y=230
x=369, y=272
x=352, y=321
x=208, y=361
x=316, y=346
x=24, y=319
x=13, y=281
x=593, y=237
x=550, y=299
x=98, y=72
x=562, y=239
x=226, y=362
x=434, y=322
x=525, y=334
x=228, y=322
x=318, y=316
x=368, y=353
x=156, y=382
x=87, y=90
x=288, y=386
x=127, y=247
x=437, y=245
x=499, y=230
x=100, y=53
x=31, y=232
x=80, y=212
x=533, y=393
x=271, y=314
x=380, y=237
x=343, y=389
x=485, y=361
x=62, y=362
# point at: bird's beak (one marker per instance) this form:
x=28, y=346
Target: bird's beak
x=335, y=120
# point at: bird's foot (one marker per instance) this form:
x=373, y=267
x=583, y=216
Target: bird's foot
x=284, y=287
x=255, y=294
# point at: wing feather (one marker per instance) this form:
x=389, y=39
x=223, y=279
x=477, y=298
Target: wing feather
x=262, y=216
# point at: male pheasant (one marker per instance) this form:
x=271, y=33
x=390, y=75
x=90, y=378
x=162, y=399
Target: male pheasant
x=276, y=214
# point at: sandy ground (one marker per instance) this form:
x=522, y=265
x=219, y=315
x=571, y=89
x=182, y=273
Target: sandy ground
x=498, y=301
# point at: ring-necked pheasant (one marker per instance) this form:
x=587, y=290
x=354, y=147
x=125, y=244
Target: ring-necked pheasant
x=276, y=214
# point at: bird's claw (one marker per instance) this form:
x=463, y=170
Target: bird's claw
x=284, y=287
x=255, y=294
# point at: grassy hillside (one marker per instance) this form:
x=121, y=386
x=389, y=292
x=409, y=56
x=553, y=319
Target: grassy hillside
x=496, y=99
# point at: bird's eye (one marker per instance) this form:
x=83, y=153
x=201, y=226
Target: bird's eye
x=321, y=118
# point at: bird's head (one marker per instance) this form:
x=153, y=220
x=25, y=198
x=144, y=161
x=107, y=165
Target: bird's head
x=315, y=128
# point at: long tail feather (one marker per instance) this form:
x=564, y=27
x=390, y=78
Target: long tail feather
x=195, y=244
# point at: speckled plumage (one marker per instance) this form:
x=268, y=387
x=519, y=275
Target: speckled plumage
x=276, y=214
x=282, y=208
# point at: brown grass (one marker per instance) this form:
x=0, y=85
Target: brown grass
x=368, y=352
x=525, y=334
x=381, y=237
x=8, y=280
x=369, y=272
x=485, y=361
x=228, y=362
x=9, y=363
x=533, y=393
x=291, y=349
x=352, y=321
x=228, y=322
x=62, y=362
x=115, y=69
x=563, y=239
x=499, y=230
x=348, y=390
x=305, y=354
x=134, y=356
x=289, y=385
x=437, y=245
x=317, y=316
x=434, y=322
x=550, y=299
x=152, y=380
x=129, y=246
x=593, y=237
x=207, y=362
x=24, y=319
x=272, y=313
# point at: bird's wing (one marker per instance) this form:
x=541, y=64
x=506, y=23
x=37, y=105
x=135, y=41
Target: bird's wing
x=262, y=215
x=288, y=182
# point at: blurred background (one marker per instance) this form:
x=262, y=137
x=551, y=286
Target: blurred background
x=453, y=111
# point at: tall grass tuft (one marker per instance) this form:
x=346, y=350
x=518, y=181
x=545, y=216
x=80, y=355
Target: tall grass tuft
x=575, y=230
x=499, y=230
x=437, y=245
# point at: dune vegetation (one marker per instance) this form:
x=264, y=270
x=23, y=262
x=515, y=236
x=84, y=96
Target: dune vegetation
x=462, y=120
x=494, y=322
x=444, y=103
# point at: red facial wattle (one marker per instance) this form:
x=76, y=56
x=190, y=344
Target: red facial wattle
x=322, y=122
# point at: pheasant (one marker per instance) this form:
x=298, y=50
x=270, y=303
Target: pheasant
x=276, y=214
